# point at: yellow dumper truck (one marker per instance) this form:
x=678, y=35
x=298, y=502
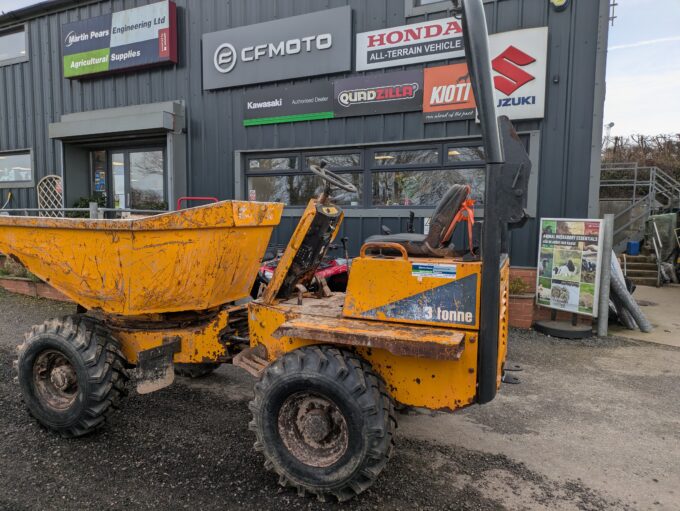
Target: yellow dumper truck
x=421, y=324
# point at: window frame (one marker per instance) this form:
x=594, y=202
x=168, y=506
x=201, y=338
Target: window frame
x=367, y=166
x=10, y=30
x=20, y=184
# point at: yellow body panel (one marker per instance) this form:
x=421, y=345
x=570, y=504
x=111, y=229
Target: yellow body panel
x=194, y=259
x=199, y=342
x=414, y=381
x=503, y=320
x=375, y=283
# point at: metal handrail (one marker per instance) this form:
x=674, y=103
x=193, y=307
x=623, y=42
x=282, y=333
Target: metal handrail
x=26, y=211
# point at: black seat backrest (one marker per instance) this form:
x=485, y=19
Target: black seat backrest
x=443, y=215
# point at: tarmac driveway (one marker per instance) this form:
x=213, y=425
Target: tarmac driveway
x=593, y=425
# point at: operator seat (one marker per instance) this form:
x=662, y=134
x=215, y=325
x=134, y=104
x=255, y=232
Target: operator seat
x=436, y=242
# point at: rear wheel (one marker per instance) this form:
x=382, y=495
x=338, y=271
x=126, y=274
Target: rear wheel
x=72, y=374
x=324, y=421
x=195, y=370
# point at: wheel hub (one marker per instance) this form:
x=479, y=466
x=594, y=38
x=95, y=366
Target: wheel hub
x=315, y=425
x=55, y=380
x=63, y=377
x=313, y=429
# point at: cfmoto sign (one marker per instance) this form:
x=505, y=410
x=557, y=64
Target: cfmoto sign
x=225, y=57
x=225, y=54
x=311, y=44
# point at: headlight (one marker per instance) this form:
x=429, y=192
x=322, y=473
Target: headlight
x=268, y=274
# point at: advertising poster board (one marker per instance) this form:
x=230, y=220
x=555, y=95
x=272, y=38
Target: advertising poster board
x=448, y=94
x=119, y=41
x=569, y=256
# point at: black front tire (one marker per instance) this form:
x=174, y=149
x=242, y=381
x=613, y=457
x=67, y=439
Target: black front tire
x=72, y=374
x=324, y=421
x=195, y=370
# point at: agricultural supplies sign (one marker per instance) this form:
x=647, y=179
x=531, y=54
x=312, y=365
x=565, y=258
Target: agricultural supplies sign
x=448, y=94
x=519, y=62
x=379, y=94
x=293, y=103
x=410, y=44
x=122, y=40
x=569, y=258
x=312, y=44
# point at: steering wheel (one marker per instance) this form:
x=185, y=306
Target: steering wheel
x=332, y=178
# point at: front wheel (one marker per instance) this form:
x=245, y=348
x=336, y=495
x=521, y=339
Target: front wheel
x=72, y=374
x=324, y=421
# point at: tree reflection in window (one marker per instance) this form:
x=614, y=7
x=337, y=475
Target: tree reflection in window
x=423, y=188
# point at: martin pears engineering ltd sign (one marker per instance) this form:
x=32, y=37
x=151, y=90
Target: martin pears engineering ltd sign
x=121, y=40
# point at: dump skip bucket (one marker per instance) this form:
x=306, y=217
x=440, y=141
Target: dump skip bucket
x=193, y=259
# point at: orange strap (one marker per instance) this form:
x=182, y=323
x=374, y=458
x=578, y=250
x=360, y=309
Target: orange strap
x=467, y=214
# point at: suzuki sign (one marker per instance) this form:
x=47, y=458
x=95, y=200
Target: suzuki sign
x=519, y=62
x=312, y=44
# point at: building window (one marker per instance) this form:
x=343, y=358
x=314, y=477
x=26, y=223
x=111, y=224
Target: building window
x=13, y=47
x=294, y=184
x=16, y=169
x=423, y=187
x=393, y=176
x=421, y=7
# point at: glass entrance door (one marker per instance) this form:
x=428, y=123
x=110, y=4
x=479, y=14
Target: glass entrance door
x=146, y=180
x=130, y=178
x=118, y=174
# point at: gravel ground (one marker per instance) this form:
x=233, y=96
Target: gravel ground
x=534, y=447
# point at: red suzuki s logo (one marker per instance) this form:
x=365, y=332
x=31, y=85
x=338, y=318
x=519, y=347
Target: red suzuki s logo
x=507, y=65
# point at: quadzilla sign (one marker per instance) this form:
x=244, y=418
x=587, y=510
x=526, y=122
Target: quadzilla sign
x=387, y=93
x=410, y=44
x=293, y=103
x=519, y=63
x=121, y=40
x=311, y=44
x=448, y=94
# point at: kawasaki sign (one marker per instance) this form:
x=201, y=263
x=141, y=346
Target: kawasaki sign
x=312, y=44
x=121, y=40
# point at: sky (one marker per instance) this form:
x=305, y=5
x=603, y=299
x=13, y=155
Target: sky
x=643, y=66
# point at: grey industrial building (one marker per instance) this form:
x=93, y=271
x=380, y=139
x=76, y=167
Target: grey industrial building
x=199, y=107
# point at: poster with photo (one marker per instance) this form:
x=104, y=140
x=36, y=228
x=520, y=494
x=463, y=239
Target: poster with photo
x=569, y=256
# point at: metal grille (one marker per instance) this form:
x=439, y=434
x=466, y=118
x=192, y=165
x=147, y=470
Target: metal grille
x=50, y=195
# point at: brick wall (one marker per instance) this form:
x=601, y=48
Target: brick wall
x=521, y=315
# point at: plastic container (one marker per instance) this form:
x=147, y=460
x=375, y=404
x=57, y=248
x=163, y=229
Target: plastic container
x=633, y=248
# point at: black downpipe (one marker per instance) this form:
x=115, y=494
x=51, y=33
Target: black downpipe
x=475, y=35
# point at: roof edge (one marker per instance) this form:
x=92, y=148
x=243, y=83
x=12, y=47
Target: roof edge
x=40, y=9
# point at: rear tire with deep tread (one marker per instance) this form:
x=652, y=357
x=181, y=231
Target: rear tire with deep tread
x=195, y=370
x=358, y=401
x=87, y=376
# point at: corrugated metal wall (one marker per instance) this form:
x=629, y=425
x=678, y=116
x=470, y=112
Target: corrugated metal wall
x=33, y=94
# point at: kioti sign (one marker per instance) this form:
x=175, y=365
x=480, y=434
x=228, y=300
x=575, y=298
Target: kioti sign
x=410, y=44
x=519, y=61
x=448, y=94
x=311, y=44
x=119, y=41
x=387, y=93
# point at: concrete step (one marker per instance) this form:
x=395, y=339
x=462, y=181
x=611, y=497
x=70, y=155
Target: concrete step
x=639, y=266
x=638, y=258
x=639, y=281
x=633, y=274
